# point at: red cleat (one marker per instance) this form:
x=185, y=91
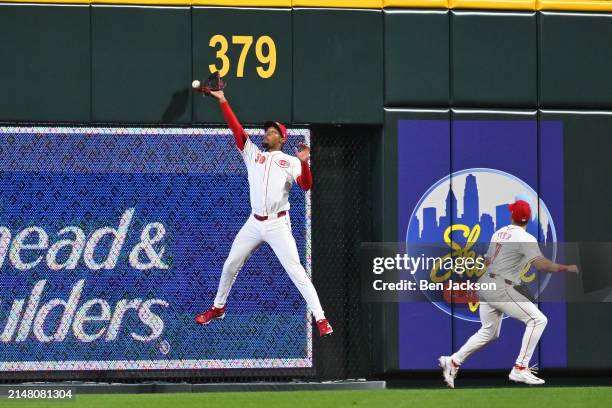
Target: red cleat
x=325, y=328
x=210, y=315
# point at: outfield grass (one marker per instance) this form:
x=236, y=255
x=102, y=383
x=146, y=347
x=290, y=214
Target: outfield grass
x=515, y=397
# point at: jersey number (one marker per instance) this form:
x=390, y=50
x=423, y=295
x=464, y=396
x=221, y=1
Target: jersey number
x=498, y=247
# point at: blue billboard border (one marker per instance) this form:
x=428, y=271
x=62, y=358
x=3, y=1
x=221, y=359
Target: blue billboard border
x=180, y=364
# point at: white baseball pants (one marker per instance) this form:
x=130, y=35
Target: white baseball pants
x=507, y=301
x=277, y=233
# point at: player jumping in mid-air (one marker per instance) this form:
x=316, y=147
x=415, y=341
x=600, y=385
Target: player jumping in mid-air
x=271, y=174
x=511, y=249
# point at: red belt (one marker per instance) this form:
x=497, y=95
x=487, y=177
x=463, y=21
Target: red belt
x=265, y=217
x=509, y=282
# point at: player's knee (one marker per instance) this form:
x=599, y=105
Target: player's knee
x=232, y=264
x=301, y=280
x=488, y=334
x=541, y=320
x=296, y=271
x=495, y=335
x=294, y=266
x=491, y=336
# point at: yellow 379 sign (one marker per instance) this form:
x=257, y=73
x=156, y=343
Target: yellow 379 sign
x=265, y=51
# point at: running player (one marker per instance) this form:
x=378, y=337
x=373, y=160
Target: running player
x=511, y=249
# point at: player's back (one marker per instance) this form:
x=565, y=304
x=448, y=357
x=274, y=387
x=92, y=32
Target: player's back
x=510, y=250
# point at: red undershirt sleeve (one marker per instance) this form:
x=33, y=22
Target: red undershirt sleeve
x=240, y=135
x=304, y=180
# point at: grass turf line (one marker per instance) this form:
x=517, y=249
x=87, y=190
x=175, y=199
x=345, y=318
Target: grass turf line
x=544, y=397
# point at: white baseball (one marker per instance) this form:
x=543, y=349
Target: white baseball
x=195, y=84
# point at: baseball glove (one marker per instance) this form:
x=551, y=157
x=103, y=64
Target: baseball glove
x=212, y=83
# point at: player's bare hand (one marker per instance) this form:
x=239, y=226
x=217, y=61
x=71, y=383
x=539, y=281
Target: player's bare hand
x=218, y=95
x=572, y=268
x=302, y=152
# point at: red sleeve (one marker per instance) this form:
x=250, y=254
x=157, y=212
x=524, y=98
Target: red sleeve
x=239, y=134
x=305, y=179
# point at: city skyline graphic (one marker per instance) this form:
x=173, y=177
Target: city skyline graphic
x=462, y=204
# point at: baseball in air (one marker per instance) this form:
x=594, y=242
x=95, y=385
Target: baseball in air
x=195, y=84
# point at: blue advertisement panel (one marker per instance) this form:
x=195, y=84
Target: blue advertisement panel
x=112, y=239
x=454, y=186
x=425, y=333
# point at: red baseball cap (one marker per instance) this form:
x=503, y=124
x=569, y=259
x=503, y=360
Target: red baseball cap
x=278, y=126
x=520, y=211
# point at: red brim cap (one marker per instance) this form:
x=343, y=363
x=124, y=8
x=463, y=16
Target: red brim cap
x=520, y=211
x=278, y=126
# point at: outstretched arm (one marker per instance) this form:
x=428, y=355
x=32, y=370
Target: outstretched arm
x=304, y=180
x=544, y=264
x=240, y=135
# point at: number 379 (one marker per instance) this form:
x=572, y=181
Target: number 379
x=265, y=51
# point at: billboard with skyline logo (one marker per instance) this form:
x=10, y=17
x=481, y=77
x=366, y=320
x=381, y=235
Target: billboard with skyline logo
x=454, y=185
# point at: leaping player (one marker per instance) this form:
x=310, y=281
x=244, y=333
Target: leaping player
x=271, y=174
x=510, y=250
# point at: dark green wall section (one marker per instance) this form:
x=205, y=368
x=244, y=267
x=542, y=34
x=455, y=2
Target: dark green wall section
x=332, y=65
x=253, y=98
x=575, y=60
x=337, y=66
x=494, y=59
x=589, y=335
x=588, y=205
x=141, y=61
x=416, y=58
x=44, y=63
x=346, y=159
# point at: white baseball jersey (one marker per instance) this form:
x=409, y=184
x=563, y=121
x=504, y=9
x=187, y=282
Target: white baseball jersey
x=271, y=175
x=510, y=250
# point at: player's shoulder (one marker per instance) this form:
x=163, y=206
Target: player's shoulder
x=249, y=146
x=518, y=234
x=525, y=236
x=496, y=234
x=502, y=229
